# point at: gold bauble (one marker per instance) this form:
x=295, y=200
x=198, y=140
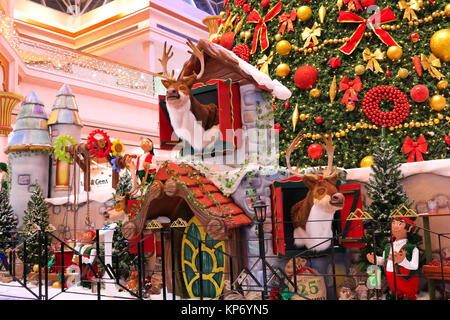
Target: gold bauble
x=315, y=93
x=441, y=85
x=360, y=69
x=56, y=285
x=403, y=73
x=283, y=70
x=366, y=162
x=283, y=47
x=36, y=268
x=304, y=13
x=338, y=135
x=242, y=34
x=303, y=117
x=278, y=37
x=394, y=53
x=350, y=107
x=437, y=102
x=440, y=44
x=436, y=121
x=447, y=10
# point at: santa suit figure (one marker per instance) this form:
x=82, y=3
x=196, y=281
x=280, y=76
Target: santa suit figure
x=87, y=249
x=146, y=162
x=404, y=279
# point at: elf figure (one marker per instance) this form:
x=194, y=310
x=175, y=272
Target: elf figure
x=146, y=161
x=87, y=248
x=404, y=281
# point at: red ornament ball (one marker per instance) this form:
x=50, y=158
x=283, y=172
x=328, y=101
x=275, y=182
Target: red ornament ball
x=277, y=128
x=305, y=77
x=227, y=40
x=239, y=3
x=419, y=93
x=367, y=3
x=414, y=37
x=334, y=62
x=247, y=8
x=242, y=51
x=315, y=151
x=265, y=3
x=318, y=120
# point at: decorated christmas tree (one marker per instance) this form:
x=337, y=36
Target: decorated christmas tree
x=8, y=222
x=386, y=192
x=354, y=67
x=121, y=252
x=36, y=218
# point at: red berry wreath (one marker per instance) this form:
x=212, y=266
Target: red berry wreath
x=371, y=106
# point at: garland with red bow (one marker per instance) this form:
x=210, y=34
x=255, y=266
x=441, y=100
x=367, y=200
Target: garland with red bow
x=261, y=28
x=286, y=20
x=351, y=88
x=415, y=148
x=374, y=21
x=371, y=106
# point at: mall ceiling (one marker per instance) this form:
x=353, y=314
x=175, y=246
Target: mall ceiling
x=79, y=7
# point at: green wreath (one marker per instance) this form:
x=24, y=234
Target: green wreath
x=60, y=147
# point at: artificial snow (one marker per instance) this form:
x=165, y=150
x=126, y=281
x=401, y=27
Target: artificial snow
x=98, y=195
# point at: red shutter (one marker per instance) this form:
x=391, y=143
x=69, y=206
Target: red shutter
x=352, y=230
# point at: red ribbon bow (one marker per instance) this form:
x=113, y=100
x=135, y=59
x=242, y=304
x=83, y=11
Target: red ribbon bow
x=374, y=21
x=415, y=148
x=261, y=28
x=286, y=20
x=356, y=4
x=350, y=88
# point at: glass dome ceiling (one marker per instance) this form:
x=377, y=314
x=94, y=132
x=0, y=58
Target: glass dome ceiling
x=79, y=7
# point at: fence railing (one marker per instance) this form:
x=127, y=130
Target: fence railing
x=208, y=272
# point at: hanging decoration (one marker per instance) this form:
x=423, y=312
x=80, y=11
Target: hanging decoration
x=322, y=13
x=374, y=22
x=333, y=90
x=295, y=117
x=417, y=65
x=438, y=102
x=403, y=73
x=315, y=151
x=440, y=44
x=305, y=77
x=304, y=13
x=419, y=93
x=373, y=59
x=415, y=149
x=260, y=33
x=372, y=110
x=431, y=64
x=394, y=53
x=353, y=5
x=410, y=9
x=334, y=62
x=447, y=140
x=286, y=20
x=309, y=35
x=263, y=63
x=350, y=89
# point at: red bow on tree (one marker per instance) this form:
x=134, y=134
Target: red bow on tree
x=261, y=28
x=350, y=88
x=374, y=21
x=415, y=148
x=353, y=4
x=286, y=20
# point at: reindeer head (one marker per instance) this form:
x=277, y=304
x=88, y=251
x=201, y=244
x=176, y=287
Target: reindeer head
x=179, y=90
x=323, y=191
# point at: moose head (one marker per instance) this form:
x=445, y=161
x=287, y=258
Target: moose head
x=187, y=114
x=312, y=217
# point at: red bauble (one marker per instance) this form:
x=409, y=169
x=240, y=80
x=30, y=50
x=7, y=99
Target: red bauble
x=318, y=120
x=315, y=151
x=215, y=40
x=277, y=128
x=286, y=105
x=265, y=3
x=247, y=8
x=242, y=51
x=414, y=37
x=305, y=77
x=227, y=40
x=419, y=93
x=387, y=119
x=367, y=3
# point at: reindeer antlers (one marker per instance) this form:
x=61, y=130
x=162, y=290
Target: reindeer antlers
x=167, y=55
x=295, y=144
x=329, y=148
x=199, y=54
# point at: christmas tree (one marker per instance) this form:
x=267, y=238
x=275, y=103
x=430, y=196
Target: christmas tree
x=8, y=222
x=36, y=218
x=124, y=185
x=353, y=67
x=386, y=192
x=121, y=252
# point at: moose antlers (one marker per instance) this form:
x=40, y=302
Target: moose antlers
x=329, y=148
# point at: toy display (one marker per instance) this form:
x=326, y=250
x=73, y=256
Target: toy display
x=86, y=247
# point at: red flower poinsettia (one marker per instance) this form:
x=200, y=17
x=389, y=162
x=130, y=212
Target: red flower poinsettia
x=247, y=8
x=239, y=3
x=242, y=51
x=334, y=62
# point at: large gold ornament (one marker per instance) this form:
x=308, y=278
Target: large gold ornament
x=403, y=73
x=309, y=35
x=304, y=13
x=366, y=162
x=295, y=117
x=438, y=102
x=447, y=10
x=394, y=53
x=441, y=85
x=440, y=44
x=283, y=47
x=283, y=70
x=431, y=64
x=360, y=69
x=373, y=59
x=315, y=93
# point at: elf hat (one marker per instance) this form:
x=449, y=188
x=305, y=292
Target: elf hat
x=93, y=234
